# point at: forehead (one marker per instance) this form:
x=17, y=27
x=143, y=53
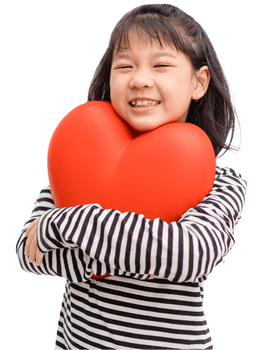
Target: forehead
x=136, y=42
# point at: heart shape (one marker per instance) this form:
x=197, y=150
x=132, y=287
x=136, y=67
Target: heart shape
x=95, y=157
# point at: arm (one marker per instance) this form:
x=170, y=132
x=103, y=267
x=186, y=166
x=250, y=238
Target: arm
x=182, y=251
x=72, y=264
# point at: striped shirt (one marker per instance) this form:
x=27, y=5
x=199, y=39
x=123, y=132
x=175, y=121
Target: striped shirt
x=129, y=309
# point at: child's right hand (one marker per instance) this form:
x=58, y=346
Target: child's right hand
x=31, y=247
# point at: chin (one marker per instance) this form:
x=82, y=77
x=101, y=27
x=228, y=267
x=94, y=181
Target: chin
x=144, y=128
x=144, y=125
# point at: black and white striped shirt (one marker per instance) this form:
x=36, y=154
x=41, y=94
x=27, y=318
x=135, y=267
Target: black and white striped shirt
x=128, y=310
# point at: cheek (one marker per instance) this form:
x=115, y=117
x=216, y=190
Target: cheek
x=112, y=86
x=178, y=98
x=179, y=84
x=179, y=95
x=116, y=89
x=114, y=96
x=117, y=104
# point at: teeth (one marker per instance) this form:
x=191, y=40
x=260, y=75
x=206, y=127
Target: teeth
x=143, y=103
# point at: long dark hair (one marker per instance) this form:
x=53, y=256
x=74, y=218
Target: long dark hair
x=214, y=112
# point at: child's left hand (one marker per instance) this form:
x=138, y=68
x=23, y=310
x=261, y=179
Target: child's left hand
x=31, y=247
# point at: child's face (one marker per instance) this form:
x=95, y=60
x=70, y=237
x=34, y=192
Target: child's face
x=152, y=85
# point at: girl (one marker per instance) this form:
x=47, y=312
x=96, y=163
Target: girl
x=160, y=67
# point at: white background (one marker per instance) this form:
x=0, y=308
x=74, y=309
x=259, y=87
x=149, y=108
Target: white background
x=49, y=52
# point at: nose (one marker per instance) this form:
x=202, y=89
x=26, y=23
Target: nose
x=140, y=80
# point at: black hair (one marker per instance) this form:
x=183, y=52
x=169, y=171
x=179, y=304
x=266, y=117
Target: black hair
x=214, y=112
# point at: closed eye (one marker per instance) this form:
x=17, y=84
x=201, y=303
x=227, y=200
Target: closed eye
x=123, y=67
x=161, y=66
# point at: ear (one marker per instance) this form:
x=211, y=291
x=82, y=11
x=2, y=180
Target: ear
x=202, y=82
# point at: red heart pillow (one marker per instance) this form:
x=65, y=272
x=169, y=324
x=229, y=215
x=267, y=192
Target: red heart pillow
x=95, y=157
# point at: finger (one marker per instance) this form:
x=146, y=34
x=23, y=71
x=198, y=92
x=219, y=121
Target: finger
x=39, y=257
x=28, y=243
x=151, y=277
x=31, y=226
x=33, y=249
x=32, y=230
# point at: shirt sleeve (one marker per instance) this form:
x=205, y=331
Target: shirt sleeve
x=73, y=264
x=182, y=251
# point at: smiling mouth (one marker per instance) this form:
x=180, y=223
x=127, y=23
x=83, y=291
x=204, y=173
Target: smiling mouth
x=143, y=103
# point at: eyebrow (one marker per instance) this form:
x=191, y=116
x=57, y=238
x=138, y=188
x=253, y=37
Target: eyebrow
x=164, y=54
x=121, y=56
x=156, y=55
